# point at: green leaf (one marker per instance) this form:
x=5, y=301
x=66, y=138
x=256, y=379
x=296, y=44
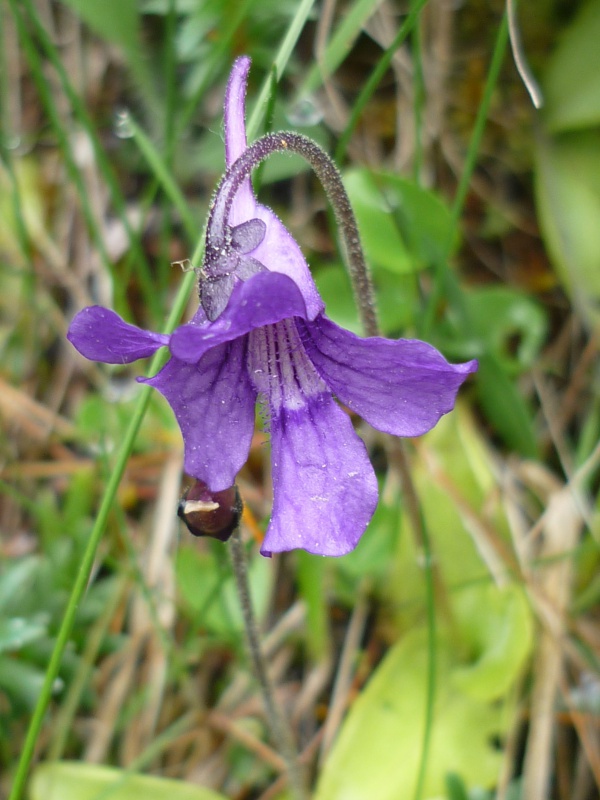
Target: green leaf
x=20, y=681
x=568, y=200
x=396, y=295
x=75, y=781
x=497, y=627
x=572, y=80
x=505, y=407
x=17, y=632
x=16, y=580
x=464, y=480
x=504, y=319
x=478, y=659
x=114, y=20
x=403, y=226
x=210, y=593
x=378, y=750
x=455, y=787
x=335, y=289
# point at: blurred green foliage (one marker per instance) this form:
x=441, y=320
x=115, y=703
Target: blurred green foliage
x=160, y=160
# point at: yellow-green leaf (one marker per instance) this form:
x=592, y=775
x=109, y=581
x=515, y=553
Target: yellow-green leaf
x=77, y=781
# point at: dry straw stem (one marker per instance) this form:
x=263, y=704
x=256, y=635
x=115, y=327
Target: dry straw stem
x=551, y=595
x=280, y=730
x=544, y=554
x=159, y=582
x=345, y=671
x=33, y=418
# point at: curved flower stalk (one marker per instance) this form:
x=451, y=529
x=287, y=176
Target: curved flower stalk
x=261, y=332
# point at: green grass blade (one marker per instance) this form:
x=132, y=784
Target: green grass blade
x=375, y=77
x=35, y=65
x=279, y=63
x=127, y=446
x=446, y=284
x=106, y=170
x=419, y=97
x=339, y=44
x=431, y=657
x=479, y=127
x=163, y=175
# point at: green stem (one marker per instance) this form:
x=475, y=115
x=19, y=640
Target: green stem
x=279, y=63
x=45, y=695
x=76, y=595
x=479, y=127
x=419, y=99
x=90, y=553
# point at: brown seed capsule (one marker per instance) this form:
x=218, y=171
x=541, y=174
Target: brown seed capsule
x=206, y=513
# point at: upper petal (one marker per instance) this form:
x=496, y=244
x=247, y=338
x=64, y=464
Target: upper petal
x=234, y=120
x=264, y=298
x=324, y=487
x=101, y=335
x=235, y=109
x=278, y=251
x=213, y=402
x=399, y=386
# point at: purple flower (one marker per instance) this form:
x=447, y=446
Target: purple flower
x=260, y=332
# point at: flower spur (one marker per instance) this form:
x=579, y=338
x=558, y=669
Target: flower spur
x=261, y=333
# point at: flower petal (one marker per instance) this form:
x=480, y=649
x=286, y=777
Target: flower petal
x=324, y=487
x=214, y=402
x=235, y=109
x=234, y=120
x=278, y=251
x=261, y=300
x=400, y=387
x=101, y=335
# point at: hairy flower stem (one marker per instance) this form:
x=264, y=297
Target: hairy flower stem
x=280, y=730
x=327, y=172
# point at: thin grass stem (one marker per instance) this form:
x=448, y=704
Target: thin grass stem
x=162, y=173
x=54, y=116
x=418, y=97
x=110, y=492
x=99, y=154
x=87, y=560
x=346, y=33
x=279, y=63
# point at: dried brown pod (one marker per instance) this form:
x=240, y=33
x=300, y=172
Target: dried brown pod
x=214, y=514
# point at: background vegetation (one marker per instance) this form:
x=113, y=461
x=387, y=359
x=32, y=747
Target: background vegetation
x=461, y=664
